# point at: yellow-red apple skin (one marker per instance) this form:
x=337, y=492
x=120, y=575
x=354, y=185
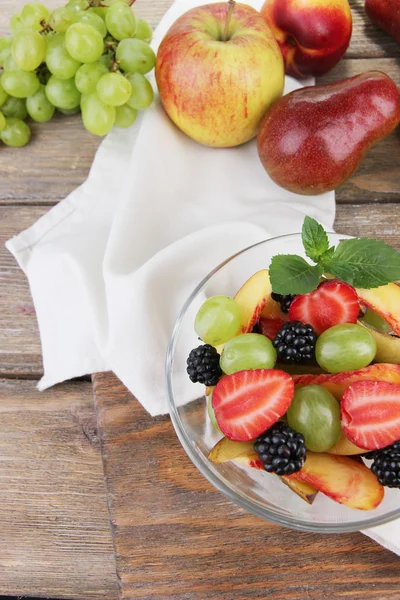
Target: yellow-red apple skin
x=313, y=35
x=217, y=92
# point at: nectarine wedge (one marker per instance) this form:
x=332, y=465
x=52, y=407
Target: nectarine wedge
x=387, y=345
x=342, y=479
x=226, y=450
x=344, y=447
x=252, y=298
x=302, y=489
x=385, y=301
x=336, y=384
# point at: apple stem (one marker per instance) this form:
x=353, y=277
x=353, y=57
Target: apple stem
x=231, y=6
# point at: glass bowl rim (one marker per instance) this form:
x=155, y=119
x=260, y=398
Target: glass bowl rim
x=221, y=486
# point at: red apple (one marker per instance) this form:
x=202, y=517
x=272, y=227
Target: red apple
x=313, y=35
x=218, y=70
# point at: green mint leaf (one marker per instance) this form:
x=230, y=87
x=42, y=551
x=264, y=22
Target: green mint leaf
x=291, y=274
x=326, y=256
x=315, y=240
x=364, y=263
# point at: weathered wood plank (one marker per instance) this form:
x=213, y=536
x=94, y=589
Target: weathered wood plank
x=55, y=538
x=177, y=538
x=19, y=339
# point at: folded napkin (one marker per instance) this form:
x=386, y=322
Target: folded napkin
x=110, y=266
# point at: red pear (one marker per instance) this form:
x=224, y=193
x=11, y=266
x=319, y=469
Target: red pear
x=385, y=14
x=312, y=140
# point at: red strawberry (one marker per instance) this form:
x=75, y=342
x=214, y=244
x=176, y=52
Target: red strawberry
x=270, y=327
x=332, y=303
x=247, y=403
x=370, y=414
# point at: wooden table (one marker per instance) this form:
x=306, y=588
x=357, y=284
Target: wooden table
x=174, y=536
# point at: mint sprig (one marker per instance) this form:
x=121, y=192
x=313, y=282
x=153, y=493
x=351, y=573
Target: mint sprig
x=361, y=262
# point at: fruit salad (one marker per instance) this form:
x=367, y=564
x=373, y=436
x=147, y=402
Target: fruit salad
x=301, y=370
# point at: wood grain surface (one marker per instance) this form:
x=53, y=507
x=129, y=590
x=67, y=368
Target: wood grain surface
x=53, y=512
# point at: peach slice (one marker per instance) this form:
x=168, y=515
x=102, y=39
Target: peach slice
x=385, y=301
x=342, y=479
x=302, y=489
x=387, y=345
x=252, y=298
x=344, y=447
x=226, y=450
x=336, y=384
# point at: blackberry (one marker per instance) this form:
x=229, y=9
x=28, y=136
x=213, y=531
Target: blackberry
x=285, y=300
x=386, y=465
x=295, y=342
x=203, y=365
x=281, y=449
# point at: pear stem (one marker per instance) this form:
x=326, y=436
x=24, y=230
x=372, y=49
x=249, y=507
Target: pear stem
x=231, y=6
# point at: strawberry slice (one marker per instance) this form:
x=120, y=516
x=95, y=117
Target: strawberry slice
x=270, y=327
x=370, y=414
x=247, y=403
x=332, y=303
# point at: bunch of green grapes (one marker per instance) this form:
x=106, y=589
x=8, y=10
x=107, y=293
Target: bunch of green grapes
x=90, y=56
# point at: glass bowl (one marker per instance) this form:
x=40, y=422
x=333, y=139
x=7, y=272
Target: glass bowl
x=254, y=490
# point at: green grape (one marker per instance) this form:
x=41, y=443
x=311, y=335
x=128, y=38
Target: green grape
x=345, y=348
x=33, y=14
x=62, y=93
x=87, y=76
x=5, y=49
x=106, y=60
x=315, y=413
x=142, y=92
x=114, y=89
x=211, y=414
x=95, y=21
x=16, y=24
x=2, y=122
x=10, y=64
x=59, y=62
x=135, y=56
x=38, y=106
x=143, y=31
x=98, y=118
x=78, y=5
x=62, y=18
x=28, y=49
x=218, y=320
x=120, y=21
x=109, y=2
x=373, y=319
x=16, y=133
x=14, y=107
x=84, y=43
x=3, y=94
x=71, y=111
x=20, y=84
x=101, y=11
x=247, y=351
x=125, y=116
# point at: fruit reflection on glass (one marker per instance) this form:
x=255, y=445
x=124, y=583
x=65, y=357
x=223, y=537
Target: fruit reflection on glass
x=90, y=56
x=313, y=35
x=218, y=70
x=308, y=126
x=309, y=428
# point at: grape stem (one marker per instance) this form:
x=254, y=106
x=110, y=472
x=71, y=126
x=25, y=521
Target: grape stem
x=231, y=6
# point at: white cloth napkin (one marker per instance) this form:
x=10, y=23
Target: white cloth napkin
x=110, y=267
